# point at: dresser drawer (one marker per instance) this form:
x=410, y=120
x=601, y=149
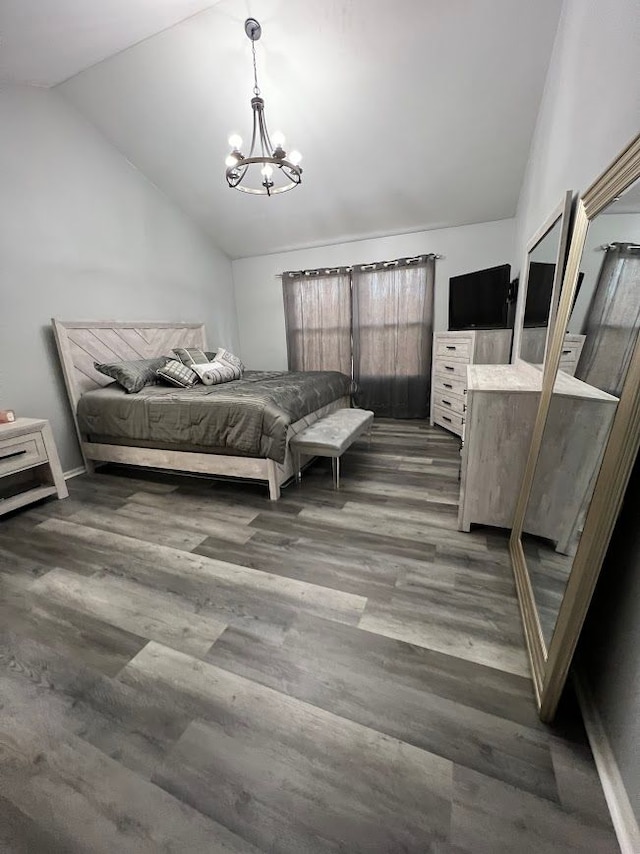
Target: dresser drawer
x=570, y=351
x=21, y=452
x=451, y=368
x=450, y=402
x=449, y=385
x=449, y=420
x=452, y=349
x=568, y=365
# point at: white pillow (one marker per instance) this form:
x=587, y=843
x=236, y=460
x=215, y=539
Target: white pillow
x=213, y=373
x=225, y=356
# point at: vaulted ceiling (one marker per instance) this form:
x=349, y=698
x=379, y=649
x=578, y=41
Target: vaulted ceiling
x=410, y=114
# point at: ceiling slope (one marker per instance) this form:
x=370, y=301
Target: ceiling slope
x=43, y=42
x=410, y=114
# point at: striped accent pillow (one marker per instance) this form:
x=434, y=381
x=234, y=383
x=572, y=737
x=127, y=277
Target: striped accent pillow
x=214, y=373
x=190, y=356
x=228, y=358
x=177, y=374
x=132, y=375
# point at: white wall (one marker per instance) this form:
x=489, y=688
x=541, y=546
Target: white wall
x=83, y=235
x=590, y=109
x=259, y=290
x=589, y=112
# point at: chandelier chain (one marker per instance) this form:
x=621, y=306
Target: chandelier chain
x=256, y=88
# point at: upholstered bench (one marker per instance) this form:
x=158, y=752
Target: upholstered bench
x=330, y=437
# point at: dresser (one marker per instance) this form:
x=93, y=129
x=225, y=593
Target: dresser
x=29, y=464
x=533, y=342
x=502, y=402
x=452, y=352
x=570, y=353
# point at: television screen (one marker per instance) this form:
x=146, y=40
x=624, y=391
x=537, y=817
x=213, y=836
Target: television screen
x=539, y=290
x=480, y=300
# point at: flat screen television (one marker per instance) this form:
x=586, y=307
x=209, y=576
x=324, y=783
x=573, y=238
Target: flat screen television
x=539, y=290
x=480, y=300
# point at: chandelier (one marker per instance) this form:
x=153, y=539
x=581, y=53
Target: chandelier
x=267, y=169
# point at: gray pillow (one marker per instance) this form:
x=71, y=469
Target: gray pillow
x=175, y=373
x=190, y=356
x=133, y=375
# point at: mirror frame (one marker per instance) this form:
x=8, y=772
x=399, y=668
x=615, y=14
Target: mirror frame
x=561, y=212
x=550, y=669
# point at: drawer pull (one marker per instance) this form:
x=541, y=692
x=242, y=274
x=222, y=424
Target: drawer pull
x=14, y=454
x=449, y=368
x=446, y=402
x=566, y=352
x=451, y=347
x=445, y=418
x=447, y=385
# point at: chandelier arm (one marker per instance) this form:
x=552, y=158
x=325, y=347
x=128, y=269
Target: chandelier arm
x=253, y=134
x=267, y=149
x=265, y=135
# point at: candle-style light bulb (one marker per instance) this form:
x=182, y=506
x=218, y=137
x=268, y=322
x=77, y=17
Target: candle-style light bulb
x=235, y=141
x=294, y=157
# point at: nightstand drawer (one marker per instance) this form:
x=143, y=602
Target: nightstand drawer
x=453, y=349
x=449, y=385
x=21, y=452
x=451, y=368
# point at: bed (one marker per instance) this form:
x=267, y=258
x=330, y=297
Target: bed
x=239, y=429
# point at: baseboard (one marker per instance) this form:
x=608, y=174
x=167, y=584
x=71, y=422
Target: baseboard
x=74, y=472
x=622, y=815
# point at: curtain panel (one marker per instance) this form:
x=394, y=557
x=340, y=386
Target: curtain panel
x=392, y=336
x=613, y=320
x=317, y=311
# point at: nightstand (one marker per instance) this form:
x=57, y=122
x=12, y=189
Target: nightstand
x=29, y=464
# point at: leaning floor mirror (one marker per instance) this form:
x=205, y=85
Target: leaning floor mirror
x=587, y=430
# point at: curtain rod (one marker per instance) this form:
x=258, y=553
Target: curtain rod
x=606, y=246
x=363, y=267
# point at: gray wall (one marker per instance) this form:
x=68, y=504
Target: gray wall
x=589, y=112
x=84, y=236
x=590, y=107
x=259, y=291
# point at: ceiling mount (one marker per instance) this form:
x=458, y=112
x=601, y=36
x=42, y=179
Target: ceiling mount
x=253, y=29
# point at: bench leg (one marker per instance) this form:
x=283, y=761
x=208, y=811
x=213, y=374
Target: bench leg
x=335, y=470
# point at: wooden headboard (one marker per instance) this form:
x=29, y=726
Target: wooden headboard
x=81, y=343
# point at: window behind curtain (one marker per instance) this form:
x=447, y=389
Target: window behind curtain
x=318, y=319
x=612, y=323
x=392, y=338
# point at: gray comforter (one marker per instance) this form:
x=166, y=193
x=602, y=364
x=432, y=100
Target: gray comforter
x=249, y=416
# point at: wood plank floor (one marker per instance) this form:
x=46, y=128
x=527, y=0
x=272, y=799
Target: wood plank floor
x=186, y=666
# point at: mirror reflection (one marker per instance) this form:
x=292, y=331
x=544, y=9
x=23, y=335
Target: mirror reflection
x=599, y=344
x=540, y=279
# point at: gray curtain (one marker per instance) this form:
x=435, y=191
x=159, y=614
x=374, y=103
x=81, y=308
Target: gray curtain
x=392, y=336
x=612, y=323
x=317, y=311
